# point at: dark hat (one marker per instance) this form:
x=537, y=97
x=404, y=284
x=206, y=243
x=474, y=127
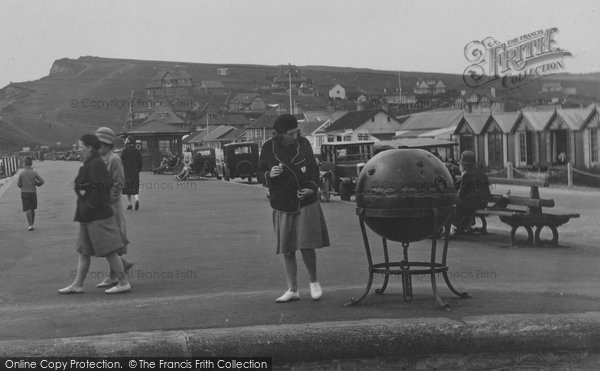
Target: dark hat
x=467, y=158
x=130, y=140
x=90, y=140
x=284, y=123
x=106, y=135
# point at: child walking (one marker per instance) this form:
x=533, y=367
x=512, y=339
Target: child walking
x=28, y=180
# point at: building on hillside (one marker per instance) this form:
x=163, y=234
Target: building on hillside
x=223, y=71
x=337, y=92
x=212, y=87
x=430, y=87
x=247, y=102
x=290, y=75
x=167, y=83
x=479, y=102
x=362, y=125
x=261, y=129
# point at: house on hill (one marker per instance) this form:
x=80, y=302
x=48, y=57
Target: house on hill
x=212, y=87
x=290, y=74
x=479, y=102
x=167, y=83
x=337, y=92
x=429, y=87
x=247, y=102
x=362, y=125
x=223, y=71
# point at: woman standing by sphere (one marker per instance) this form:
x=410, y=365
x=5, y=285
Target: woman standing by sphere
x=292, y=175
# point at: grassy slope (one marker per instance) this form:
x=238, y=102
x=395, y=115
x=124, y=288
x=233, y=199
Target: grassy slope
x=43, y=114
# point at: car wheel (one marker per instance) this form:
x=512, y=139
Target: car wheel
x=344, y=192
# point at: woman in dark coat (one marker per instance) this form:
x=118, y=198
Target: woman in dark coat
x=99, y=234
x=132, y=164
x=292, y=174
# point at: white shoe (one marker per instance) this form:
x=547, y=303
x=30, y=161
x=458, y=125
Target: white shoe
x=288, y=296
x=118, y=289
x=315, y=291
x=108, y=282
x=71, y=289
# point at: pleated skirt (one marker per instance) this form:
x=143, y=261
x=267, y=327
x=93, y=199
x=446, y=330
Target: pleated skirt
x=304, y=230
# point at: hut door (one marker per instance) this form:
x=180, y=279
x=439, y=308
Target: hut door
x=467, y=143
x=561, y=153
x=495, y=150
x=529, y=146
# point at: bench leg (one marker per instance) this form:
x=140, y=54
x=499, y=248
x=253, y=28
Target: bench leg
x=513, y=237
x=553, y=241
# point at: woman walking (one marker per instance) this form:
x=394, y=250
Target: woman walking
x=106, y=136
x=98, y=231
x=132, y=164
x=292, y=174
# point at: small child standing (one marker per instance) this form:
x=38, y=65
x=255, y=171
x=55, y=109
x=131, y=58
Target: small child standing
x=28, y=180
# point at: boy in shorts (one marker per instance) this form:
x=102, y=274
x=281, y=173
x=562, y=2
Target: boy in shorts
x=28, y=180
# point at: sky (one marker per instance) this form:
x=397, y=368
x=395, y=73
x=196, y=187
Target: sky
x=393, y=35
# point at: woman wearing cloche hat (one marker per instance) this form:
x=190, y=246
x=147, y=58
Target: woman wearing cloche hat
x=292, y=174
x=115, y=169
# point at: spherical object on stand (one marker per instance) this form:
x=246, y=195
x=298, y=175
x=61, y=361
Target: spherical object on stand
x=408, y=184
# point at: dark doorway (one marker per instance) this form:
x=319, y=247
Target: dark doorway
x=495, y=150
x=561, y=153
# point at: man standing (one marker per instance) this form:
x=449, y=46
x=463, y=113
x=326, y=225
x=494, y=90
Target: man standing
x=132, y=164
x=473, y=194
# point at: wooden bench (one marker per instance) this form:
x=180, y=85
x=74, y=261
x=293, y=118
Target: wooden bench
x=524, y=212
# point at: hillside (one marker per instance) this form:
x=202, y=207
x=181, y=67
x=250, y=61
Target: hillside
x=49, y=110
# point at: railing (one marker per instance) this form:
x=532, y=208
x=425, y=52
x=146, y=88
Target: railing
x=569, y=170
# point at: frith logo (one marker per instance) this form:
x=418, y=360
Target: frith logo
x=515, y=62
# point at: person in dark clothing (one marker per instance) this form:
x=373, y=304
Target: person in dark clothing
x=292, y=175
x=99, y=234
x=473, y=194
x=132, y=164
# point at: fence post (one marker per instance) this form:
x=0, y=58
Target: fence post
x=509, y=170
x=569, y=175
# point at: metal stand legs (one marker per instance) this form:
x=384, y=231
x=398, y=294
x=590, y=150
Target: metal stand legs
x=404, y=267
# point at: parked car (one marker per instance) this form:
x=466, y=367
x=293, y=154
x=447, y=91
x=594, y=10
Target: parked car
x=341, y=163
x=241, y=160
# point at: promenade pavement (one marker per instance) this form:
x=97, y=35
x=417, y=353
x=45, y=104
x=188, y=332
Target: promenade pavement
x=206, y=269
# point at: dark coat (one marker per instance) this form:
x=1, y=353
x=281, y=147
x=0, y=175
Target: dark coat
x=300, y=171
x=92, y=186
x=132, y=163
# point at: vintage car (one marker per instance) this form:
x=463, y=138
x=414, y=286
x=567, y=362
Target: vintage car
x=442, y=149
x=241, y=160
x=341, y=163
x=204, y=162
